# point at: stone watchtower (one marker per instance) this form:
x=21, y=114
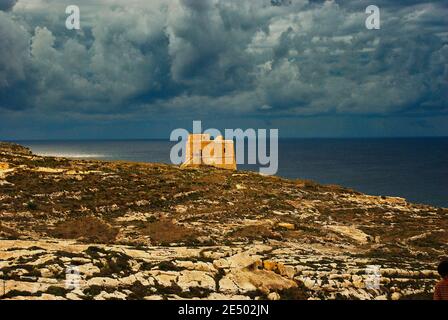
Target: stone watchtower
x=201, y=150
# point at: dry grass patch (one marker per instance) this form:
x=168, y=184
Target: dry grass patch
x=89, y=229
x=8, y=233
x=213, y=179
x=166, y=231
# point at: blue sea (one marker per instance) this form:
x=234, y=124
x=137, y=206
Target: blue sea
x=413, y=168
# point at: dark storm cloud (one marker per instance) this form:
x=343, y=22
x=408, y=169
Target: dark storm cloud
x=215, y=57
x=16, y=84
x=6, y=5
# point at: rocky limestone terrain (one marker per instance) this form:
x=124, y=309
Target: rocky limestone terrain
x=78, y=229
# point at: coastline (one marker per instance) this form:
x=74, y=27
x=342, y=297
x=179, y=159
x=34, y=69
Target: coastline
x=413, y=169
